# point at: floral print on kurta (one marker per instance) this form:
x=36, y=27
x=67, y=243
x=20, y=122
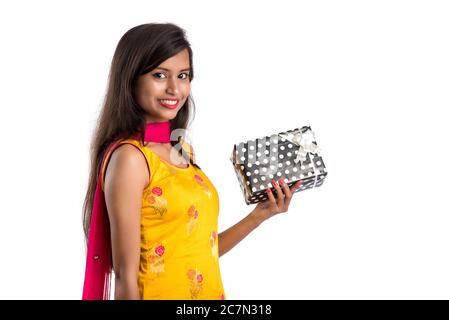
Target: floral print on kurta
x=196, y=282
x=156, y=259
x=202, y=183
x=157, y=201
x=192, y=218
x=214, y=244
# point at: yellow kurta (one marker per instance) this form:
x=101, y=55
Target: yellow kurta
x=179, y=236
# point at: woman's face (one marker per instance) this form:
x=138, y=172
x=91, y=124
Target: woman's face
x=163, y=91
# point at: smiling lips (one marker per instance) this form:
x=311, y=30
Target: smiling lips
x=170, y=104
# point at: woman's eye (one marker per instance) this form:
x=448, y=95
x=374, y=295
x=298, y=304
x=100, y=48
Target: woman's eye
x=186, y=75
x=158, y=73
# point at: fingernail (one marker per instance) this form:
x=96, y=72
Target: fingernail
x=274, y=182
x=281, y=182
x=269, y=190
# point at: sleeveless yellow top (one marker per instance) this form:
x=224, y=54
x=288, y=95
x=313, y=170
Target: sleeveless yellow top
x=179, y=236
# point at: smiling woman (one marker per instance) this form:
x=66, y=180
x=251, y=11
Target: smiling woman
x=165, y=86
x=150, y=212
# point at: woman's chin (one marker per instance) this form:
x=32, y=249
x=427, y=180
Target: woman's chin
x=171, y=114
x=165, y=116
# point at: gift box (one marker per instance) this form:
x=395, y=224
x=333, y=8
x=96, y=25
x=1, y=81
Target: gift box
x=291, y=155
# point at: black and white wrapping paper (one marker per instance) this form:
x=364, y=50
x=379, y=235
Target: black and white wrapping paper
x=291, y=155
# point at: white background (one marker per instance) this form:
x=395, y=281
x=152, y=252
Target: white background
x=370, y=77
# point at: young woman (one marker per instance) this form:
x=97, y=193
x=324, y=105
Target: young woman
x=150, y=213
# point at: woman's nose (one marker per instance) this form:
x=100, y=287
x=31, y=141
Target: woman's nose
x=172, y=86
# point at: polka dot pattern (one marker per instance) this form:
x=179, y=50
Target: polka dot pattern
x=258, y=161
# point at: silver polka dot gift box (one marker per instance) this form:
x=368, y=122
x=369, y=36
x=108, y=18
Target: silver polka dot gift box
x=291, y=155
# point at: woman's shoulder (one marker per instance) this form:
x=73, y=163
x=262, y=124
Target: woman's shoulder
x=127, y=150
x=126, y=160
x=127, y=154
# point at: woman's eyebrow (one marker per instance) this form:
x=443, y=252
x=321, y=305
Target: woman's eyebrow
x=186, y=69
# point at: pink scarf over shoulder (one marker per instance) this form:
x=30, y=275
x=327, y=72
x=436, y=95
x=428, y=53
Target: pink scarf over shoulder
x=97, y=278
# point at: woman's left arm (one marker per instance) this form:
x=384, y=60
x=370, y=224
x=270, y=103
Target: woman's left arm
x=263, y=211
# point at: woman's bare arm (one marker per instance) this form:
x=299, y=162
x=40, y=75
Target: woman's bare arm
x=230, y=237
x=123, y=186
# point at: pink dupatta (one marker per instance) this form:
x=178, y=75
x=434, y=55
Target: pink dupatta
x=97, y=278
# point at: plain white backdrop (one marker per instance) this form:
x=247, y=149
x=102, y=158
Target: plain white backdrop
x=370, y=77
